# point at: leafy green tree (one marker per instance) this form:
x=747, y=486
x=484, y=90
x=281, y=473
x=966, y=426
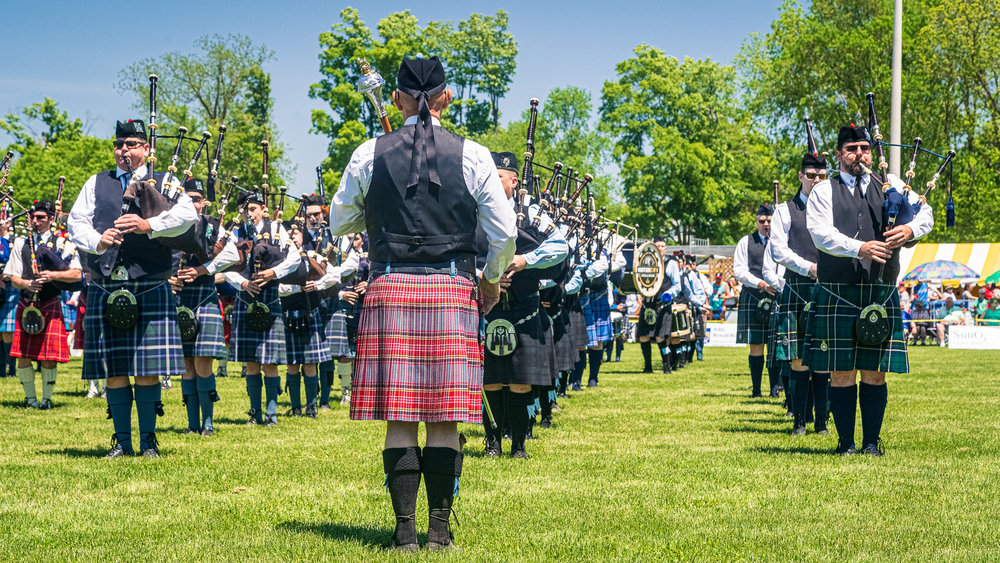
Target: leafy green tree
x=691, y=163
x=56, y=125
x=222, y=83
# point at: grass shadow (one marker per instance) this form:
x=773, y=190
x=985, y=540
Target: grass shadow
x=782, y=420
x=792, y=450
x=229, y=420
x=753, y=430
x=378, y=538
x=13, y=404
x=95, y=452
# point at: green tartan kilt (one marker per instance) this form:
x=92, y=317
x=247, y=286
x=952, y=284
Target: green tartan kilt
x=748, y=330
x=790, y=338
x=832, y=345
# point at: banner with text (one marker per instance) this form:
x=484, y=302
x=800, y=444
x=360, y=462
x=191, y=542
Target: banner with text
x=721, y=334
x=974, y=337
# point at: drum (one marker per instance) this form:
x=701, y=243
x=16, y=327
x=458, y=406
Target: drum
x=680, y=329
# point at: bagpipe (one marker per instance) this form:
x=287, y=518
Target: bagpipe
x=897, y=209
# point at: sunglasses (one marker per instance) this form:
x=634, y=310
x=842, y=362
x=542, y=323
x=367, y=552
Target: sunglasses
x=763, y=221
x=119, y=143
x=853, y=148
x=197, y=199
x=41, y=216
x=815, y=175
x=316, y=214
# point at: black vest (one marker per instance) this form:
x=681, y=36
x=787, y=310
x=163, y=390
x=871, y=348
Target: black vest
x=799, y=240
x=140, y=255
x=48, y=290
x=425, y=224
x=861, y=220
x=755, y=254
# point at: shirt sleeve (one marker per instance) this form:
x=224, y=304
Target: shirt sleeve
x=674, y=273
x=496, y=217
x=347, y=208
x=773, y=271
x=819, y=222
x=553, y=249
x=923, y=222
x=292, y=256
x=781, y=224
x=574, y=284
x=228, y=256
x=14, y=266
x=235, y=279
x=741, y=263
x=80, y=221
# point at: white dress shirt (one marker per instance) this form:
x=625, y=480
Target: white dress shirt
x=781, y=224
x=741, y=262
x=66, y=249
x=773, y=271
x=285, y=267
x=172, y=222
x=496, y=217
x=826, y=236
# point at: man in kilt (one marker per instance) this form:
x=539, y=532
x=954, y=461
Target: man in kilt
x=792, y=247
x=338, y=304
x=655, y=315
x=195, y=289
x=516, y=363
x=421, y=192
x=857, y=268
x=696, y=295
x=9, y=296
x=41, y=283
x=124, y=258
x=305, y=336
x=577, y=325
x=258, y=341
x=596, y=305
x=751, y=328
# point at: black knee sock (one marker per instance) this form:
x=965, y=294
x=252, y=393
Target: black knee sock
x=665, y=356
x=595, y=365
x=774, y=377
x=562, y=382
x=809, y=404
x=821, y=394
x=800, y=382
x=608, y=348
x=497, y=407
x=619, y=348
x=581, y=363
x=786, y=382
x=545, y=400
x=442, y=467
x=844, y=404
x=872, y=400
x=756, y=372
x=517, y=418
x=402, y=477
x=647, y=356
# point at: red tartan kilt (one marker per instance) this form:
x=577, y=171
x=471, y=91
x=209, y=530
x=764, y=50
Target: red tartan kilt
x=51, y=343
x=419, y=358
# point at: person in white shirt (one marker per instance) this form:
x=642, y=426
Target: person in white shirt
x=753, y=328
x=857, y=325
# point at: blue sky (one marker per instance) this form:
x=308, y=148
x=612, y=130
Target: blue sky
x=72, y=51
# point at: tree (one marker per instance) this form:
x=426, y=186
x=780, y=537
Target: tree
x=222, y=83
x=691, y=163
x=478, y=60
x=49, y=143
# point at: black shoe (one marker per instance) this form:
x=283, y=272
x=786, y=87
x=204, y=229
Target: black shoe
x=253, y=414
x=546, y=422
x=270, y=420
x=647, y=370
x=116, y=449
x=519, y=454
x=823, y=432
x=555, y=407
x=666, y=368
x=151, y=452
x=493, y=448
x=45, y=405
x=845, y=449
x=799, y=431
x=192, y=431
x=789, y=414
x=576, y=387
x=875, y=450
x=756, y=395
x=311, y=410
x=591, y=384
x=297, y=411
x=208, y=431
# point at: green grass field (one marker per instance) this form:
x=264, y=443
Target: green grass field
x=680, y=467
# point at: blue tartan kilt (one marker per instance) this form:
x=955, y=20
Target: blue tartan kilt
x=790, y=341
x=151, y=348
x=309, y=346
x=597, y=315
x=748, y=329
x=248, y=345
x=8, y=308
x=336, y=333
x=203, y=299
x=832, y=345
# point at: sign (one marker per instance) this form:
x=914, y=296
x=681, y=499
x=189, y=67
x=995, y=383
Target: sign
x=721, y=334
x=974, y=337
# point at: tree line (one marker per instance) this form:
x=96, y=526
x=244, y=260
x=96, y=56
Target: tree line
x=685, y=148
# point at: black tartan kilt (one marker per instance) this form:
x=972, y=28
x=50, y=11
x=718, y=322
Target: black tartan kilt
x=830, y=330
x=748, y=330
x=247, y=345
x=790, y=341
x=566, y=351
x=308, y=346
x=577, y=328
x=697, y=321
x=531, y=362
x=663, y=325
x=202, y=298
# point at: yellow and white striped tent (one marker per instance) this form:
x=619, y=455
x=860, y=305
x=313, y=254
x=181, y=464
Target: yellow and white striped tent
x=983, y=257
